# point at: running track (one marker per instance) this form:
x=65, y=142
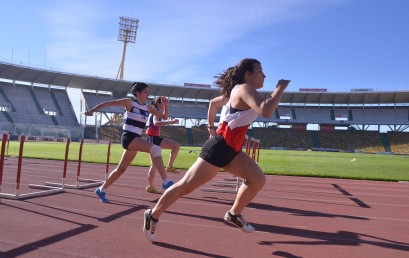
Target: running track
x=293, y=216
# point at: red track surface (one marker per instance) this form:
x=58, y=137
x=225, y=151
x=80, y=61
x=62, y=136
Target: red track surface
x=293, y=216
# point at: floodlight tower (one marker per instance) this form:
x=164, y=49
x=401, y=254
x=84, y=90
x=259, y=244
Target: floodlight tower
x=127, y=34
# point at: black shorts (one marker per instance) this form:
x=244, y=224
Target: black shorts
x=154, y=139
x=217, y=152
x=127, y=137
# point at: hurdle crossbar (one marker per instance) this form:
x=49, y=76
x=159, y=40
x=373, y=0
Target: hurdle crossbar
x=87, y=182
x=253, y=150
x=45, y=190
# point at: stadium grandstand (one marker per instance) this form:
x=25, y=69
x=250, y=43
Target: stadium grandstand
x=35, y=102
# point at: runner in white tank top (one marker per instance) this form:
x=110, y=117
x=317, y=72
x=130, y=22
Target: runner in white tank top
x=245, y=78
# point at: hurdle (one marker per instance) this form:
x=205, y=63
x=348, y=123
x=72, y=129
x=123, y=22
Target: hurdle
x=8, y=143
x=253, y=150
x=5, y=138
x=45, y=190
x=87, y=182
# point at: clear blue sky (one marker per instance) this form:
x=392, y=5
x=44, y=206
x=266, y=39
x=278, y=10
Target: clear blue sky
x=333, y=44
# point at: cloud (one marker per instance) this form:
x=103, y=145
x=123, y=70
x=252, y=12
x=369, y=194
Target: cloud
x=177, y=41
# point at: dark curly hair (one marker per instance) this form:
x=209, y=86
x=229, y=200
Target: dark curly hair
x=234, y=75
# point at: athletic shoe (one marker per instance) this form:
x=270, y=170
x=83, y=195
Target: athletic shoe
x=151, y=189
x=167, y=185
x=172, y=170
x=101, y=195
x=149, y=226
x=239, y=222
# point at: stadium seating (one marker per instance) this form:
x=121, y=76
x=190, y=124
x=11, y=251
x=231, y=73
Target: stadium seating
x=42, y=110
x=399, y=142
x=93, y=99
x=67, y=115
x=32, y=110
x=367, y=141
x=25, y=108
x=282, y=138
x=112, y=133
x=190, y=110
x=177, y=133
x=200, y=135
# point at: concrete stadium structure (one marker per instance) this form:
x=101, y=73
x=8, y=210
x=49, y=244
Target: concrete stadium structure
x=35, y=102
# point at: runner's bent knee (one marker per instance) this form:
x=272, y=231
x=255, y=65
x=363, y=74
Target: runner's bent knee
x=256, y=178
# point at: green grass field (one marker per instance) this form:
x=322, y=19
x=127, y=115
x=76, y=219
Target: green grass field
x=273, y=162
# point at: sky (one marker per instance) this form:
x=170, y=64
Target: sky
x=336, y=45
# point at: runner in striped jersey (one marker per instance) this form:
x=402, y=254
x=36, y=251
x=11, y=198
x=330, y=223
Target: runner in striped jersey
x=135, y=118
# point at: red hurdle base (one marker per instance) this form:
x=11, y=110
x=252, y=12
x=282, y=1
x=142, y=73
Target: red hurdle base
x=89, y=182
x=46, y=190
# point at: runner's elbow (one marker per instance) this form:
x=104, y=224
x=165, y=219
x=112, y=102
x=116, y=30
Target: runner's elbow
x=266, y=113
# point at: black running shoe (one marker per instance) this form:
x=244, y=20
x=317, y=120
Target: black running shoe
x=239, y=222
x=149, y=226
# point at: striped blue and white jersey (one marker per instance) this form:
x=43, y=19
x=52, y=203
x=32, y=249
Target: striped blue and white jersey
x=135, y=120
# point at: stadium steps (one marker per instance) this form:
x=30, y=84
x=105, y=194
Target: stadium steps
x=7, y=99
x=39, y=107
x=293, y=113
x=60, y=113
x=8, y=117
x=56, y=103
x=385, y=142
x=36, y=102
x=277, y=113
x=332, y=115
x=189, y=136
x=54, y=120
x=315, y=139
x=350, y=116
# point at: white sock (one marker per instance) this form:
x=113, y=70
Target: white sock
x=101, y=189
x=167, y=180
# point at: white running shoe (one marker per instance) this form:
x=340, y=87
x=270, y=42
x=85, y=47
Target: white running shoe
x=239, y=222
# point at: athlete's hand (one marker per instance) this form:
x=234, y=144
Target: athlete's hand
x=283, y=83
x=165, y=100
x=88, y=113
x=212, y=132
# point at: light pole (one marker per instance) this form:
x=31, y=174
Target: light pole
x=127, y=34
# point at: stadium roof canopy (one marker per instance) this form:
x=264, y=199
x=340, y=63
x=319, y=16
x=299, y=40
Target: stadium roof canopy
x=53, y=78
